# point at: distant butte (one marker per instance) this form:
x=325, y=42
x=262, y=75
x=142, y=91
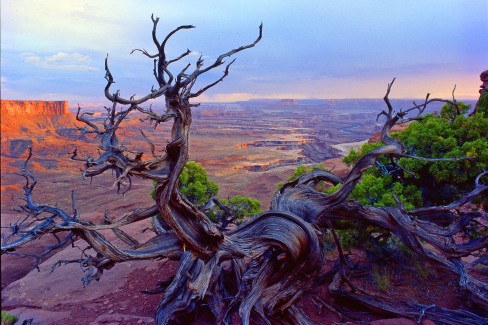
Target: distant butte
x=288, y=102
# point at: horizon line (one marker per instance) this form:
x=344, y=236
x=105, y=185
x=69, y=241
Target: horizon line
x=249, y=100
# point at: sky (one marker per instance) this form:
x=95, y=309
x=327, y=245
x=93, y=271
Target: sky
x=55, y=49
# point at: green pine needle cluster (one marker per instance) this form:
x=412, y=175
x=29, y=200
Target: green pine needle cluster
x=8, y=319
x=194, y=184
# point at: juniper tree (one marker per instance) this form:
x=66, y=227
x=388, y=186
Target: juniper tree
x=260, y=269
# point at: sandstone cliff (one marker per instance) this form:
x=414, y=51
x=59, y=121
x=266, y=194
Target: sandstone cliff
x=35, y=124
x=35, y=118
x=34, y=107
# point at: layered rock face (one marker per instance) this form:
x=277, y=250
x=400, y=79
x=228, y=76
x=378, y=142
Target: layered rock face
x=29, y=123
x=35, y=118
x=34, y=107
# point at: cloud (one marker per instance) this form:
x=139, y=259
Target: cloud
x=308, y=49
x=3, y=84
x=60, y=61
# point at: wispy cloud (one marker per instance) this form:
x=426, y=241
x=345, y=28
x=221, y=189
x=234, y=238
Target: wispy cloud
x=60, y=61
x=344, y=48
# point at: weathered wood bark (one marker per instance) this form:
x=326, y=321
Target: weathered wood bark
x=260, y=269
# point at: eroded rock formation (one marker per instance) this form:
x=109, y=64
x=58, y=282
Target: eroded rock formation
x=483, y=87
x=34, y=123
x=34, y=107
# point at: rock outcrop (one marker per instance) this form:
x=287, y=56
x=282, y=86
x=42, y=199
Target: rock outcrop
x=29, y=123
x=34, y=107
x=483, y=87
x=484, y=80
x=34, y=118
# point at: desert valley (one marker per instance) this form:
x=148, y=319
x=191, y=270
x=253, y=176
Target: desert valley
x=246, y=148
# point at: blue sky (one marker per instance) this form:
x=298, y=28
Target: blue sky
x=55, y=50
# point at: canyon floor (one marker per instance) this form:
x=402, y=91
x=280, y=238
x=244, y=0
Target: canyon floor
x=246, y=148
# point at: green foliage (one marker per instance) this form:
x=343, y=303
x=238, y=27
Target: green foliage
x=244, y=206
x=8, y=319
x=194, y=184
x=153, y=191
x=357, y=235
x=439, y=137
x=422, y=269
x=377, y=190
x=198, y=189
x=482, y=105
x=382, y=276
x=446, y=136
x=353, y=156
x=240, y=206
x=301, y=170
x=450, y=112
x=474, y=230
x=386, y=252
x=450, y=135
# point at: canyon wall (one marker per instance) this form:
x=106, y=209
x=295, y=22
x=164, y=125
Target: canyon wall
x=34, y=107
x=34, y=117
x=43, y=125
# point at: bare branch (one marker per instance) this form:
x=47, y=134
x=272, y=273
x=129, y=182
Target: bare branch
x=162, y=55
x=123, y=101
x=201, y=91
x=387, y=99
x=84, y=120
x=143, y=51
x=154, y=37
x=180, y=57
x=220, y=60
x=151, y=145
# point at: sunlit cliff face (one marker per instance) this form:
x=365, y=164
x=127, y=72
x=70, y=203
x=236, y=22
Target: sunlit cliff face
x=34, y=107
x=38, y=124
x=34, y=117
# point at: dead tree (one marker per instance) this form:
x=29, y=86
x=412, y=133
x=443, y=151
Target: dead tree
x=272, y=259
